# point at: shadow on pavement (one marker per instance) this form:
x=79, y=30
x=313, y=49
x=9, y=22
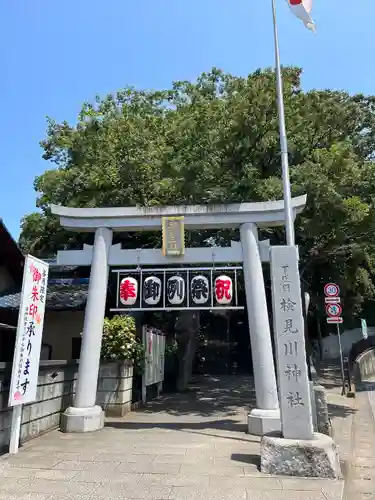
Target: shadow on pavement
x=330, y=377
x=222, y=425
x=224, y=396
x=246, y=459
x=340, y=411
x=200, y=428
x=215, y=403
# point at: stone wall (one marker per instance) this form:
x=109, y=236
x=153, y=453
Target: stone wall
x=330, y=345
x=55, y=392
x=115, y=388
x=365, y=365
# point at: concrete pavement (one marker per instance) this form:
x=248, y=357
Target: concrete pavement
x=353, y=422
x=190, y=446
x=360, y=482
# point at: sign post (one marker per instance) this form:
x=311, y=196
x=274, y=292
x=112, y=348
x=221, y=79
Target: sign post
x=25, y=369
x=334, y=316
x=341, y=359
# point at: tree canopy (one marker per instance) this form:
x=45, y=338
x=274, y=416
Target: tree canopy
x=216, y=140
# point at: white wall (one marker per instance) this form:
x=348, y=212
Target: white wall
x=59, y=329
x=348, y=338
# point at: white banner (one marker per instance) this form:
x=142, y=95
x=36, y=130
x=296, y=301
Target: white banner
x=29, y=332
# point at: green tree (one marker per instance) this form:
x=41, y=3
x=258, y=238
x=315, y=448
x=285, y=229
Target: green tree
x=217, y=140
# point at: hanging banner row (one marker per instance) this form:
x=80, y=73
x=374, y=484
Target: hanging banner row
x=176, y=289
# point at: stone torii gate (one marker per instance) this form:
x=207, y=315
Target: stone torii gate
x=84, y=415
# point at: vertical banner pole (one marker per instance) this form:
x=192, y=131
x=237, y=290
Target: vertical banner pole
x=25, y=366
x=15, y=429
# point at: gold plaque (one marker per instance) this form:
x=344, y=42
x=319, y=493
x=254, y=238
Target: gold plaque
x=173, y=236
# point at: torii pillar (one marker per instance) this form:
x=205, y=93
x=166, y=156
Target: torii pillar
x=84, y=415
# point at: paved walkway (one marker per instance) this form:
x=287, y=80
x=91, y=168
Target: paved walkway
x=361, y=473
x=353, y=422
x=190, y=446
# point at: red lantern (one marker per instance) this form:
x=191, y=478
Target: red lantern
x=128, y=291
x=223, y=290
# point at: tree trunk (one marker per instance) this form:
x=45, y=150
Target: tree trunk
x=187, y=328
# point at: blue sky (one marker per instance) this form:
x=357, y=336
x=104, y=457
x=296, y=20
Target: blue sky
x=57, y=54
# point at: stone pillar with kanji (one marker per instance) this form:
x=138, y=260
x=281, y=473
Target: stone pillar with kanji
x=296, y=450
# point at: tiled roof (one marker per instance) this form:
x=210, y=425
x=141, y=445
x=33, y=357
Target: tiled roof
x=59, y=297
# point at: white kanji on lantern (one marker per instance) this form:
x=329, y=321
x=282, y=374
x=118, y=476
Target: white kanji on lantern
x=128, y=291
x=199, y=289
x=176, y=290
x=152, y=290
x=223, y=290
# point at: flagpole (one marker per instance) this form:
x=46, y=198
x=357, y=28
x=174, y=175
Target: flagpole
x=289, y=222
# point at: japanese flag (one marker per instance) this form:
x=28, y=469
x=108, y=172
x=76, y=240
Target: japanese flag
x=302, y=9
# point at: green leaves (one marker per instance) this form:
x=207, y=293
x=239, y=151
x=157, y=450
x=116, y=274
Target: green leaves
x=217, y=141
x=119, y=341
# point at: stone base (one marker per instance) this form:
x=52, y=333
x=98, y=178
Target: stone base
x=323, y=423
x=119, y=410
x=262, y=422
x=318, y=457
x=82, y=419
